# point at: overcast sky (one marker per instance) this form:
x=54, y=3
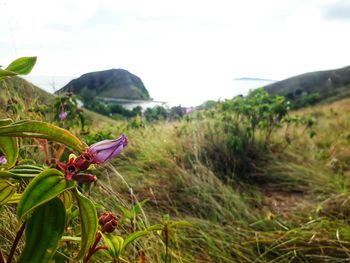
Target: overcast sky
x=183, y=44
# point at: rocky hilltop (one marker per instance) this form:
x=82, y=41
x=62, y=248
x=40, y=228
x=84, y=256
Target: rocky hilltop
x=113, y=83
x=329, y=84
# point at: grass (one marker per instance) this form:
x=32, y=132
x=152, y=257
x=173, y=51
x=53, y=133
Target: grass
x=289, y=204
x=293, y=208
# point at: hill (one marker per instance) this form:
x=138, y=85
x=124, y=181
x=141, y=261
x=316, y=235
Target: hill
x=24, y=94
x=113, y=83
x=330, y=85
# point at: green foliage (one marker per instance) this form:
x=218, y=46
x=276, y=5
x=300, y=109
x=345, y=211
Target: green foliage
x=117, y=244
x=156, y=113
x=43, y=130
x=237, y=133
x=68, y=104
x=43, y=213
x=306, y=100
x=94, y=137
x=20, y=66
x=260, y=111
x=88, y=218
x=44, y=187
x=9, y=146
x=21, y=171
x=137, y=122
x=7, y=190
x=44, y=230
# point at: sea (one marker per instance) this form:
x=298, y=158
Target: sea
x=189, y=98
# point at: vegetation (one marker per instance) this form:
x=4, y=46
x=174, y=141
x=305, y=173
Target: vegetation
x=113, y=83
x=244, y=180
x=310, y=88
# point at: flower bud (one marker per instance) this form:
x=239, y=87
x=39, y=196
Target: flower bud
x=108, y=222
x=110, y=226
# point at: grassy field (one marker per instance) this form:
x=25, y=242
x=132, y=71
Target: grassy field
x=291, y=207
x=287, y=203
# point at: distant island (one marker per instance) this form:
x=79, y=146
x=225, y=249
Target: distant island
x=112, y=83
x=254, y=79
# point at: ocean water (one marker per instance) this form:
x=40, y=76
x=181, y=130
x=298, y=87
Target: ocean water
x=171, y=97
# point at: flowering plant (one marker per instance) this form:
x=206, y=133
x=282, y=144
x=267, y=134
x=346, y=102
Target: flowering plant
x=67, y=111
x=45, y=194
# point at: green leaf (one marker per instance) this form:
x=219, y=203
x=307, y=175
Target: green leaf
x=132, y=237
x=59, y=258
x=7, y=190
x=67, y=199
x=117, y=245
x=43, y=231
x=22, y=171
x=9, y=146
x=4, y=122
x=156, y=227
x=14, y=198
x=38, y=129
x=22, y=65
x=46, y=186
x=166, y=218
x=5, y=73
x=114, y=244
x=88, y=223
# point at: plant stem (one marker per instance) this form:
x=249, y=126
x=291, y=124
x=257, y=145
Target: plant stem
x=2, y=259
x=15, y=242
x=166, y=234
x=100, y=248
x=93, y=249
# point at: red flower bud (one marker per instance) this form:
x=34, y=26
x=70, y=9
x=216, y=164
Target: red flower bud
x=110, y=226
x=108, y=222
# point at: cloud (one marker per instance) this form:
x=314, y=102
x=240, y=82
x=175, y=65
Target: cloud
x=337, y=10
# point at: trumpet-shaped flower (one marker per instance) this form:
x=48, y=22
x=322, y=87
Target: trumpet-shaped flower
x=103, y=151
x=97, y=153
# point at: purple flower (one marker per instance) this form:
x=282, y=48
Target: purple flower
x=3, y=160
x=63, y=115
x=189, y=110
x=101, y=152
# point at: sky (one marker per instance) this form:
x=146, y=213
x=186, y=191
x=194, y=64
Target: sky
x=178, y=47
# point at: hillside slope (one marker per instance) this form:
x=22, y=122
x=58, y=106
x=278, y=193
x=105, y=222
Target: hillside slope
x=113, y=83
x=329, y=84
x=20, y=92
